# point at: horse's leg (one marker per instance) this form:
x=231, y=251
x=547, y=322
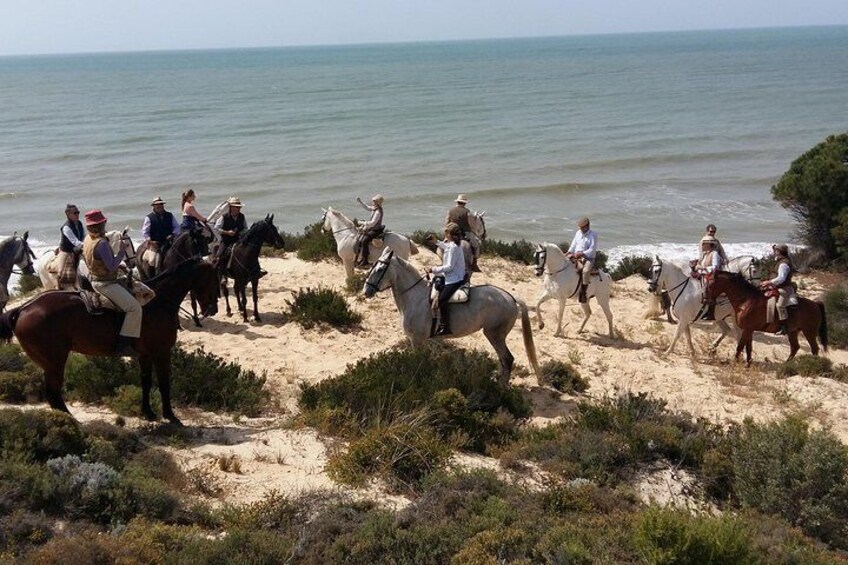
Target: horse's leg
x=145, y=365
x=544, y=297
x=587, y=312
x=811, y=339
x=560, y=312
x=194, y=310
x=226, y=294
x=163, y=376
x=603, y=302
x=497, y=337
x=681, y=327
x=240, y=289
x=253, y=284
x=688, y=328
x=54, y=378
x=749, y=344
x=725, y=329
x=794, y=346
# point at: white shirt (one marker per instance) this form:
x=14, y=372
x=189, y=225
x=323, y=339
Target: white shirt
x=145, y=227
x=782, y=274
x=72, y=237
x=586, y=243
x=376, y=219
x=710, y=261
x=453, y=262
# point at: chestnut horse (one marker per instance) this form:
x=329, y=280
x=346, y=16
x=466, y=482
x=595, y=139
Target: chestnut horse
x=750, y=305
x=55, y=323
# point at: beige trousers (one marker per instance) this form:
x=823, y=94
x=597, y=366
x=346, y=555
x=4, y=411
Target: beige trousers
x=783, y=297
x=126, y=302
x=588, y=265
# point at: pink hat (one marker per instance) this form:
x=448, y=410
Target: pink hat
x=94, y=217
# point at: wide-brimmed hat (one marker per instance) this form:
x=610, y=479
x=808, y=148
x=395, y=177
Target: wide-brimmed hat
x=583, y=222
x=157, y=200
x=94, y=218
x=781, y=248
x=709, y=239
x=234, y=201
x=377, y=199
x=462, y=199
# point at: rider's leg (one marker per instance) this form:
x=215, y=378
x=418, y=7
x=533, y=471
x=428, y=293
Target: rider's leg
x=444, y=308
x=365, y=247
x=131, y=328
x=782, y=311
x=709, y=314
x=588, y=265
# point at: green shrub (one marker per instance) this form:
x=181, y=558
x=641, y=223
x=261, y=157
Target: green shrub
x=836, y=308
x=12, y=358
x=520, y=251
x=784, y=468
x=815, y=191
x=315, y=244
x=21, y=530
x=93, y=379
x=321, y=305
x=22, y=386
x=39, y=435
x=354, y=284
x=127, y=401
x=27, y=284
x=635, y=265
x=806, y=366
x=563, y=377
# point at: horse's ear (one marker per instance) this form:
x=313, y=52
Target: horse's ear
x=26, y=235
x=657, y=257
x=271, y=219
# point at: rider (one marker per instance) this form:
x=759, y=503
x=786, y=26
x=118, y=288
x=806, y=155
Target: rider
x=70, y=248
x=231, y=225
x=582, y=253
x=190, y=214
x=711, y=231
x=453, y=269
x=459, y=216
x=159, y=229
x=783, y=283
x=103, y=268
x=709, y=262
x=372, y=228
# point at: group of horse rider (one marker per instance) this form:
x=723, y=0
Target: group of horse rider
x=713, y=258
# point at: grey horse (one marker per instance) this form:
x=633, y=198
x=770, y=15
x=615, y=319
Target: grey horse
x=14, y=251
x=489, y=308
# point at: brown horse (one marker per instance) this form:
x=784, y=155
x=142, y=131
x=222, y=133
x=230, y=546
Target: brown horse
x=55, y=323
x=749, y=304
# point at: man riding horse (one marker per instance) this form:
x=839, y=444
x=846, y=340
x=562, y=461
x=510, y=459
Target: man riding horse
x=159, y=229
x=372, y=228
x=709, y=262
x=459, y=215
x=231, y=227
x=70, y=248
x=782, y=284
x=582, y=252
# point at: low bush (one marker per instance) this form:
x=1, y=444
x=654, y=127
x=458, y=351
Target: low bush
x=12, y=358
x=321, y=305
x=94, y=379
x=27, y=284
x=39, y=435
x=21, y=386
x=21, y=531
x=635, y=265
x=563, y=377
x=354, y=284
x=520, y=251
x=806, y=366
x=836, y=308
x=127, y=401
x=315, y=244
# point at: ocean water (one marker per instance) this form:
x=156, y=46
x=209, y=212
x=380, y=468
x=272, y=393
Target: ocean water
x=651, y=135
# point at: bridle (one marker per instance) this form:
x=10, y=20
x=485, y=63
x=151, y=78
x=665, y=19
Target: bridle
x=385, y=262
x=26, y=255
x=542, y=260
x=344, y=229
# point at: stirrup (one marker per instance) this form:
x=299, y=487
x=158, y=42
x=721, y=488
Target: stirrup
x=443, y=330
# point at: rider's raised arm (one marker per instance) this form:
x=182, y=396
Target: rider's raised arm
x=366, y=206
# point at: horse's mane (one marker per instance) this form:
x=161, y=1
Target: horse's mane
x=342, y=217
x=177, y=269
x=8, y=247
x=739, y=278
x=252, y=231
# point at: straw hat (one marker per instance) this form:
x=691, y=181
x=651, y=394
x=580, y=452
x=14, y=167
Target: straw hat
x=234, y=201
x=583, y=222
x=94, y=218
x=377, y=199
x=462, y=199
x=157, y=200
x=709, y=239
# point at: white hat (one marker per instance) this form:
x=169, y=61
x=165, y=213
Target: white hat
x=377, y=199
x=462, y=199
x=234, y=201
x=157, y=200
x=709, y=239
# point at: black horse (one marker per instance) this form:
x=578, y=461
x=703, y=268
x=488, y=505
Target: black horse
x=242, y=264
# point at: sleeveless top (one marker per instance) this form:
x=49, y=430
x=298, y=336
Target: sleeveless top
x=98, y=270
x=459, y=216
x=76, y=227
x=239, y=224
x=161, y=227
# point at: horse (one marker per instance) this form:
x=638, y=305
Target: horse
x=243, y=264
x=750, y=304
x=489, y=308
x=562, y=281
x=14, y=250
x=47, y=266
x=686, y=296
x=346, y=233
x=54, y=323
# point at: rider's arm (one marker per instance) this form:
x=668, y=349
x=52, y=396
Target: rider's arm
x=104, y=253
x=190, y=210
x=592, y=240
x=441, y=245
x=573, y=246
x=366, y=206
x=782, y=274
x=69, y=233
x=219, y=223
x=175, y=226
x=447, y=261
x=145, y=229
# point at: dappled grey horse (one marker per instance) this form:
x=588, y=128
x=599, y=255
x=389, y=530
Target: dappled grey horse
x=489, y=308
x=14, y=250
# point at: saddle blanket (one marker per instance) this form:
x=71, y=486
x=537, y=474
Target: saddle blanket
x=460, y=296
x=152, y=258
x=96, y=303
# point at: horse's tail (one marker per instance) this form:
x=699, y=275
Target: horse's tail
x=8, y=320
x=413, y=249
x=823, y=326
x=527, y=333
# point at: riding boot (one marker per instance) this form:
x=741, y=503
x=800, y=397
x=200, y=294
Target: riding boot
x=444, y=322
x=124, y=347
x=710, y=313
x=784, y=329
x=582, y=296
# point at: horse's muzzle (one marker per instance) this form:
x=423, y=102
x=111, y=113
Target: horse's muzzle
x=539, y=271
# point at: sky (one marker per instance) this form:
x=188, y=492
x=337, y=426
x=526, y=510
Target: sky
x=81, y=26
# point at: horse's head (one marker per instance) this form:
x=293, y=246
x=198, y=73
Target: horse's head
x=540, y=257
x=129, y=248
x=478, y=225
x=655, y=275
x=206, y=288
x=272, y=236
x=325, y=219
x=376, y=281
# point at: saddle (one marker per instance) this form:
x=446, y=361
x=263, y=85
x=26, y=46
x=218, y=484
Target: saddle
x=460, y=295
x=96, y=303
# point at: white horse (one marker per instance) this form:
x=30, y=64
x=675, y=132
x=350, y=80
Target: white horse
x=47, y=266
x=489, y=308
x=345, y=233
x=561, y=281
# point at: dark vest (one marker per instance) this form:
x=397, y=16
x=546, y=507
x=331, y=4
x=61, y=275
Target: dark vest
x=76, y=227
x=459, y=216
x=161, y=227
x=788, y=281
x=239, y=224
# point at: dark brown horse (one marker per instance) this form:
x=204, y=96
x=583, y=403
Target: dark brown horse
x=55, y=323
x=243, y=263
x=749, y=304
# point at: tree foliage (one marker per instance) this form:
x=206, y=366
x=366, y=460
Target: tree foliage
x=815, y=191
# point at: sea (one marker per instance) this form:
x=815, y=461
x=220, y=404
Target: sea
x=651, y=135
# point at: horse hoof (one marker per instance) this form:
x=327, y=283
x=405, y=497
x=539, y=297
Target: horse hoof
x=257, y=319
x=149, y=415
x=174, y=421
x=541, y=325
x=559, y=334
